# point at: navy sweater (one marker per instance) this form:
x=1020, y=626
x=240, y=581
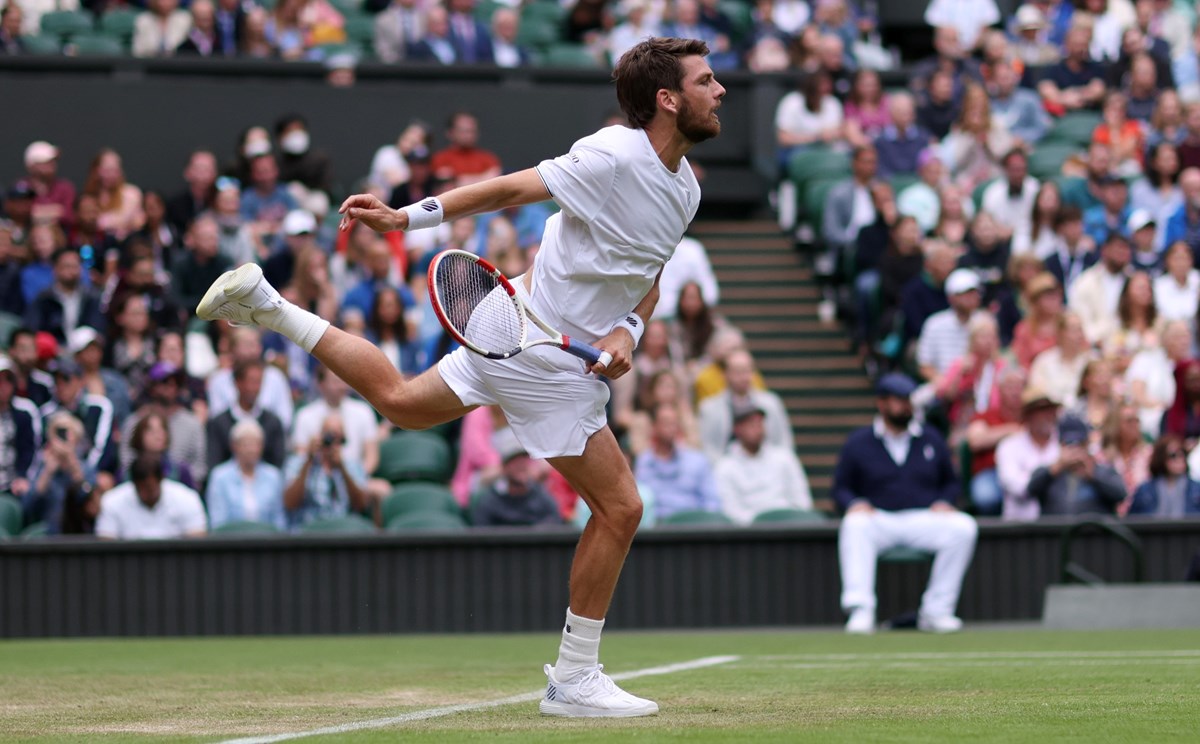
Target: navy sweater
x=865, y=470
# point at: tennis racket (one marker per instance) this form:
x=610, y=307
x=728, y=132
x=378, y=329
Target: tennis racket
x=480, y=308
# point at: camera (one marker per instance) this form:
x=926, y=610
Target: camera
x=328, y=440
x=62, y=432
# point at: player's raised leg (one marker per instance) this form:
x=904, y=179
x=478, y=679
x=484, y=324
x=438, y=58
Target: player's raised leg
x=244, y=297
x=577, y=685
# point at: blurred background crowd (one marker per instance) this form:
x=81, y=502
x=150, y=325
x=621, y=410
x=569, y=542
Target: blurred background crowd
x=1016, y=229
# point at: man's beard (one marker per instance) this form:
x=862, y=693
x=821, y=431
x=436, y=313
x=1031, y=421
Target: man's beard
x=694, y=127
x=899, y=420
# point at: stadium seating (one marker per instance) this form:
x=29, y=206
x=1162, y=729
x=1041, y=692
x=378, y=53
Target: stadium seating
x=360, y=29
x=66, y=24
x=415, y=456
x=350, y=524
x=426, y=520
x=94, y=45
x=568, y=55
x=977, y=194
x=245, y=528
x=118, y=24
x=35, y=530
x=1048, y=158
x=537, y=34
x=43, y=44
x=8, y=324
x=905, y=555
x=408, y=498
x=11, y=516
x=1075, y=129
x=696, y=516
x=790, y=516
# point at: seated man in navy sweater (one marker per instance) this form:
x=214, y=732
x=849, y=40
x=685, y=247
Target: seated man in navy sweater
x=896, y=483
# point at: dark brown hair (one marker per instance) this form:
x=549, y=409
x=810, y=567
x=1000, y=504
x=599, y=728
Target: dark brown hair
x=647, y=68
x=1125, y=307
x=1158, y=458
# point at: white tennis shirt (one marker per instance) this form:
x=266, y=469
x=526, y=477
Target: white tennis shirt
x=622, y=215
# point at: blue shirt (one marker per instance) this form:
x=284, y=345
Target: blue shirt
x=898, y=152
x=362, y=296
x=681, y=482
x=270, y=208
x=325, y=492
x=1097, y=225
x=866, y=471
x=226, y=495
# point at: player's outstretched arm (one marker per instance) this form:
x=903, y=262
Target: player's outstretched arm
x=620, y=342
x=512, y=190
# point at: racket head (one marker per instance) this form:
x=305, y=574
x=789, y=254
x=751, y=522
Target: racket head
x=477, y=304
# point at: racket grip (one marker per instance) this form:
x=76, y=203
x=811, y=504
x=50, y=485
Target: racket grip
x=586, y=352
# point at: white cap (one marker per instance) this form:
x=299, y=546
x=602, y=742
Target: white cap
x=1140, y=218
x=1030, y=17
x=80, y=338
x=6, y=364
x=299, y=221
x=961, y=280
x=40, y=152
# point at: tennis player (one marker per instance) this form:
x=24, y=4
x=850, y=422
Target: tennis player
x=626, y=196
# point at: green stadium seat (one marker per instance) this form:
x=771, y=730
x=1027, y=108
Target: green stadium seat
x=484, y=10
x=95, y=45
x=817, y=162
x=325, y=51
x=977, y=194
x=351, y=524
x=1074, y=190
x=245, y=527
x=408, y=498
x=815, y=194
x=66, y=23
x=360, y=28
x=790, y=516
x=542, y=11
x=348, y=7
x=905, y=554
x=426, y=520
x=1047, y=159
x=568, y=55
x=696, y=516
x=8, y=324
x=741, y=17
x=35, y=531
x=118, y=23
x=1075, y=128
x=537, y=34
x=12, y=516
x=902, y=181
x=415, y=456
x=43, y=44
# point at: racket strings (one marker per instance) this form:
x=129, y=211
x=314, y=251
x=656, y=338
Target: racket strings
x=477, y=305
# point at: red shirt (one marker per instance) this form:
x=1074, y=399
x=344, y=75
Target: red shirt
x=986, y=459
x=455, y=162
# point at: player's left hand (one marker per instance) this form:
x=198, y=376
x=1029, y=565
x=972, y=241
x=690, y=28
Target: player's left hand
x=942, y=506
x=620, y=344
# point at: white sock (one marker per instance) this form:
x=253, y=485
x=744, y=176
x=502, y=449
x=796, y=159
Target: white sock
x=297, y=324
x=580, y=648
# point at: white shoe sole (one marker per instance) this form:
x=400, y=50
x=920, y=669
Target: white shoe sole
x=229, y=286
x=566, y=710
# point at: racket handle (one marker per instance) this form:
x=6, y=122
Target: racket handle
x=586, y=352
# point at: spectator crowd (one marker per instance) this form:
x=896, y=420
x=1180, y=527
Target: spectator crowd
x=123, y=414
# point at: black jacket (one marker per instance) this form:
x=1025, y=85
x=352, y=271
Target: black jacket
x=45, y=313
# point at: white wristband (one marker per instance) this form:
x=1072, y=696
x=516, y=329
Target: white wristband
x=423, y=214
x=634, y=325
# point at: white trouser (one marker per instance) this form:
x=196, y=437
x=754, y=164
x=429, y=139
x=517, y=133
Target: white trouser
x=862, y=537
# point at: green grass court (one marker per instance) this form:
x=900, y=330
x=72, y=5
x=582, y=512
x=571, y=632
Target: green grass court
x=982, y=685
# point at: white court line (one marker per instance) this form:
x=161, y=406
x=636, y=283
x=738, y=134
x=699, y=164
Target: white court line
x=941, y=664
x=955, y=655
x=446, y=710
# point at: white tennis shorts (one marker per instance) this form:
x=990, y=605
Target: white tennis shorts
x=553, y=403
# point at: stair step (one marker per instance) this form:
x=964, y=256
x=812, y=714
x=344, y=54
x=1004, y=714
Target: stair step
x=764, y=227
x=829, y=345
x=820, y=483
x=794, y=275
x=762, y=293
x=789, y=326
x=831, y=421
x=748, y=243
x=820, y=441
x=773, y=311
x=848, y=366
x=722, y=260
x=779, y=383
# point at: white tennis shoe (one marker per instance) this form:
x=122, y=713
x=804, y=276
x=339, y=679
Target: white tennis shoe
x=240, y=296
x=861, y=622
x=939, y=624
x=592, y=695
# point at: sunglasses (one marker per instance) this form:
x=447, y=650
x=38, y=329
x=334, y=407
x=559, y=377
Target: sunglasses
x=1177, y=454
